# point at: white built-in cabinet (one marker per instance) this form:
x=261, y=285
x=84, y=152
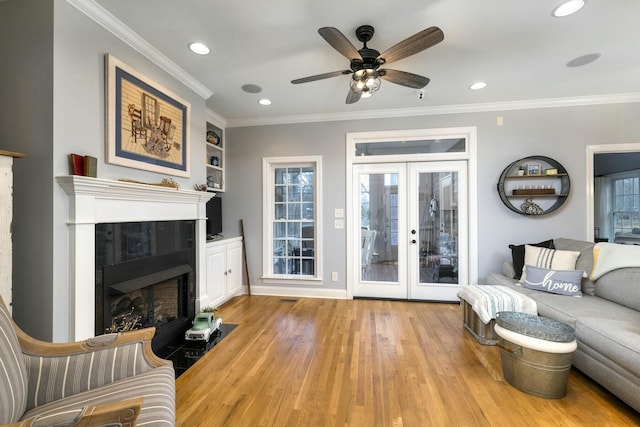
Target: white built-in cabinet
x=224, y=270
x=6, y=218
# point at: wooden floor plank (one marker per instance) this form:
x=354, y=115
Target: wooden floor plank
x=323, y=362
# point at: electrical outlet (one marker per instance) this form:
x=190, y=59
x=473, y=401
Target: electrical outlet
x=338, y=223
x=334, y=276
x=338, y=213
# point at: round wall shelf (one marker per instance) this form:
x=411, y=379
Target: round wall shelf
x=534, y=185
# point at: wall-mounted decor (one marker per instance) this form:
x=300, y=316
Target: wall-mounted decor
x=147, y=126
x=535, y=193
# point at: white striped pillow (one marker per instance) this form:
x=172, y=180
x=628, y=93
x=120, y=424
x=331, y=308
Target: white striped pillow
x=551, y=259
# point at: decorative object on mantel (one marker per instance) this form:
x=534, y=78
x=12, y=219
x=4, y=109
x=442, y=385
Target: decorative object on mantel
x=147, y=125
x=166, y=182
x=83, y=165
x=200, y=187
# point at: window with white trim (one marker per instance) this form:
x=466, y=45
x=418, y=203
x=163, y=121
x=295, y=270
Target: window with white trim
x=292, y=217
x=626, y=203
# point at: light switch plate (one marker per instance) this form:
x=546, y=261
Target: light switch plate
x=338, y=213
x=338, y=223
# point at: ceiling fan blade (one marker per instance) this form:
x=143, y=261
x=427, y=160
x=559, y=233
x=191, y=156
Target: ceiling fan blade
x=412, y=45
x=403, y=78
x=353, y=97
x=321, y=76
x=339, y=41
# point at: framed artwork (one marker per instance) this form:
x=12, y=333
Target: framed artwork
x=534, y=169
x=147, y=126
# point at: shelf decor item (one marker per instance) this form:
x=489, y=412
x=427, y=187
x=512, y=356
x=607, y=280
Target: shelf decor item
x=213, y=138
x=147, y=126
x=533, y=169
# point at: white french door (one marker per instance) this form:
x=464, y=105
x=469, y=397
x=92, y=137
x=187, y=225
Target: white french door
x=412, y=229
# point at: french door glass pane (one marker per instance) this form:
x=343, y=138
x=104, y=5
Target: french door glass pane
x=438, y=236
x=379, y=227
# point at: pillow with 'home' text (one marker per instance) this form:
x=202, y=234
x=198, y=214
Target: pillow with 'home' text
x=563, y=282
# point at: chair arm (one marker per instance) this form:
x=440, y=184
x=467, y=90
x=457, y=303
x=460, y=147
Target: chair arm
x=37, y=347
x=123, y=413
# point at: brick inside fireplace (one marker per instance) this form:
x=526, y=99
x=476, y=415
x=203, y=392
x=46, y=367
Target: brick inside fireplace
x=145, y=277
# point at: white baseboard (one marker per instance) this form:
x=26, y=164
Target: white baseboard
x=298, y=292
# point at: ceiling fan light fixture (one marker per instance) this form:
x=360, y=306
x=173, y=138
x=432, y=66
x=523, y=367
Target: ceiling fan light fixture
x=568, y=8
x=365, y=82
x=264, y=101
x=478, y=85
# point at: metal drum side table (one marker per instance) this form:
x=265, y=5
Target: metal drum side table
x=536, y=353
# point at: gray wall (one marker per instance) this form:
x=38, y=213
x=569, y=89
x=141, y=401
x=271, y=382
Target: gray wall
x=560, y=133
x=52, y=104
x=53, y=59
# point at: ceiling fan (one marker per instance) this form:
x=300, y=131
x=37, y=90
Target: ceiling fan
x=366, y=62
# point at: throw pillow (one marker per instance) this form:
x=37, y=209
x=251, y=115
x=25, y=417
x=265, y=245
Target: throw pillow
x=563, y=282
x=552, y=259
x=517, y=255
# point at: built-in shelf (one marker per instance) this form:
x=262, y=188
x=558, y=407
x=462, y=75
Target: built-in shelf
x=215, y=161
x=548, y=187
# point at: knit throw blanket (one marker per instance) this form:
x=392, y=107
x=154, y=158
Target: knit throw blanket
x=612, y=256
x=487, y=300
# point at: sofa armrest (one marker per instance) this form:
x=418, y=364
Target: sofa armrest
x=36, y=347
x=123, y=413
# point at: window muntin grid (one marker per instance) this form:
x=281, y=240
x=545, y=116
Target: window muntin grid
x=294, y=221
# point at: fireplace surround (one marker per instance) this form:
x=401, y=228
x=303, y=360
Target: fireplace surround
x=94, y=201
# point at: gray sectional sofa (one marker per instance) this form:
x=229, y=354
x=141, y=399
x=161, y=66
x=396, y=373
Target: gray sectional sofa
x=606, y=320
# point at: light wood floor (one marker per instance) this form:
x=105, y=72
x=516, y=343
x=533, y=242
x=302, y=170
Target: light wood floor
x=322, y=362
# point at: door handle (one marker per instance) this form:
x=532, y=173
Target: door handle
x=413, y=241
x=413, y=231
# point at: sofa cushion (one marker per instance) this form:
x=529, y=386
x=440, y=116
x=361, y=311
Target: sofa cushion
x=621, y=286
x=157, y=387
x=13, y=375
x=585, y=260
x=562, y=282
x=517, y=255
x=618, y=339
x=568, y=310
x=548, y=258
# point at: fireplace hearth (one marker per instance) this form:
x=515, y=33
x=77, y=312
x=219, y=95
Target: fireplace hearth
x=145, y=276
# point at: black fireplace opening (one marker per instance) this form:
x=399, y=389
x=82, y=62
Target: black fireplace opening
x=145, y=276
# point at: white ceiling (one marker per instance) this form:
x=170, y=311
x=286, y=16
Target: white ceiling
x=516, y=46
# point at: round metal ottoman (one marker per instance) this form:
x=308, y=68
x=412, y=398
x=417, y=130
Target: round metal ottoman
x=536, y=353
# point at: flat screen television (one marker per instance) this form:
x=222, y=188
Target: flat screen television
x=214, y=217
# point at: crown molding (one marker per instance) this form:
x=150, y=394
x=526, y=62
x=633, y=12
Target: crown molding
x=215, y=118
x=444, y=109
x=116, y=27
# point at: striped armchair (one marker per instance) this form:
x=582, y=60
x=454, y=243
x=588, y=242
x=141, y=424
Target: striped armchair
x=109, y=380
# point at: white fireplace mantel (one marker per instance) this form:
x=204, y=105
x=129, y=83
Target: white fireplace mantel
x=93, y=201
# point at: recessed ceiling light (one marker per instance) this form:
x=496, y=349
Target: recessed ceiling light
x=478, y=86
x=567, y=8
x=264, y=101
x=199, y=48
